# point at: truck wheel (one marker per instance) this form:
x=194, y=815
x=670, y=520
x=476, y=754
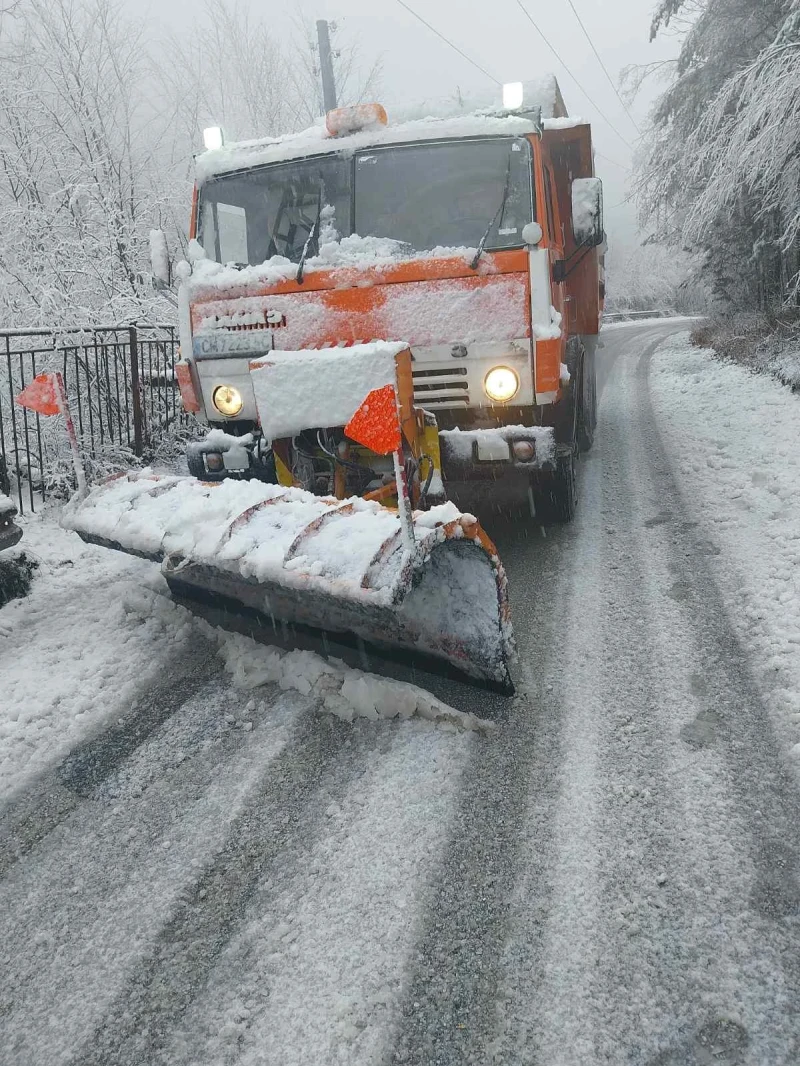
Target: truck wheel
x=555, y=501
x=587, y=399
x=564, y=491
x=194, y=460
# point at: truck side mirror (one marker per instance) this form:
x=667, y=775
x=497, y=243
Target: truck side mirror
x=159, y=259
x=587, y=212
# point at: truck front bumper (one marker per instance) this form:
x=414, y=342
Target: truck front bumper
x=492, y=454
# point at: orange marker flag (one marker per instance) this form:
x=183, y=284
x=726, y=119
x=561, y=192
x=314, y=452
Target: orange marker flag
x=41, y=395
x=46, y=395
x=376, y=423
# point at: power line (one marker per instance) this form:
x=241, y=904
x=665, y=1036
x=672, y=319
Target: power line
x=449, y=42
x=529, y=17
x=613, y=162
x=602, y=64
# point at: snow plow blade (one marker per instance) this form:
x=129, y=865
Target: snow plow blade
x=10, y=532
x=317, y=563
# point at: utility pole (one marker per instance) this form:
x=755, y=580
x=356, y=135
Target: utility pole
x=326, y=65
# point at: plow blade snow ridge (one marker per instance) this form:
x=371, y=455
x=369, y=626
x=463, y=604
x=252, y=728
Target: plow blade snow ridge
x=316, y=563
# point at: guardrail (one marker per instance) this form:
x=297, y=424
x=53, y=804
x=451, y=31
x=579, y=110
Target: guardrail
x=121, y=388
x=630, y=316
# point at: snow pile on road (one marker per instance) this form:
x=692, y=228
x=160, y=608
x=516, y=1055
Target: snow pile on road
x=737, y=438
x=339, y=689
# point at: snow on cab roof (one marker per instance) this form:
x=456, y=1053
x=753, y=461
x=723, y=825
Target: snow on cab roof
x=317, y=141
x=450, y=117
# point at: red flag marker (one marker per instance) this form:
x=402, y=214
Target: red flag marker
x=41, y=396
x=376, y=424
x=46, y=395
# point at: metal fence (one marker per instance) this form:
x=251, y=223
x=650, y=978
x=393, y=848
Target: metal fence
x=121, y=385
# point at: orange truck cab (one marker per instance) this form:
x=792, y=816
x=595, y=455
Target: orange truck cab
x=473, y=238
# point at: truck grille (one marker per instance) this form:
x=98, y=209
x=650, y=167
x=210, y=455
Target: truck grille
x=441, y=388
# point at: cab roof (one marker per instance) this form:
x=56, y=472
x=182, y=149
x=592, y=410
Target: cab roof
x=444, y=119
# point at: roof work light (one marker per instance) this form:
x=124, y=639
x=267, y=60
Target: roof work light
x=213, y=137
x=513, y=95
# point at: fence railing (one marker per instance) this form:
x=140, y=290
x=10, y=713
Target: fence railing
x=631, y=316
x=121, y=385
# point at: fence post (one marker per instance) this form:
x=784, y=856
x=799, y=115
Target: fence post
x=138, y=436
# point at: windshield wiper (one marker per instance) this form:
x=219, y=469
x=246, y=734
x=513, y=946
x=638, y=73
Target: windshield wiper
x=313, y=235
x=497, y=217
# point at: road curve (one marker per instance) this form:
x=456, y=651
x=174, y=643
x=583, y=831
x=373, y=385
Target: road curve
x=611, y=877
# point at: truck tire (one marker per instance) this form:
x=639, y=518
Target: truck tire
x=194, y=460
x=555, y=500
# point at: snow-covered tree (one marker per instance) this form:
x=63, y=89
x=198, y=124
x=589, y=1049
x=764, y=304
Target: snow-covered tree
x=98, y=123
x=719, y=174
x=653, y=276
x=73, y=162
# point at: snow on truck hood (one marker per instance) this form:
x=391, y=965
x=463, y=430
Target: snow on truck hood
x=355, y=253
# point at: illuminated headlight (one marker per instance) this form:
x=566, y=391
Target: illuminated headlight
x=227, y=400
x=501, y=384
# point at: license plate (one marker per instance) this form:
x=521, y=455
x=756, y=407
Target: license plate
x=223, y=342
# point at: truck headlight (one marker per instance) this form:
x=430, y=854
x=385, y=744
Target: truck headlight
x=227, y=400
x=501, y=384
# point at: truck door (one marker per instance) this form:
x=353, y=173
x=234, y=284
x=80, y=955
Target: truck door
x=556, y=234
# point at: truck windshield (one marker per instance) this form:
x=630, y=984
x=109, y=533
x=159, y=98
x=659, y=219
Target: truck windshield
x=445, y=194
x=248, y=218
x=442, y=194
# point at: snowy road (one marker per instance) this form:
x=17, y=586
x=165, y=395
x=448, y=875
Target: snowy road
x=212, y=876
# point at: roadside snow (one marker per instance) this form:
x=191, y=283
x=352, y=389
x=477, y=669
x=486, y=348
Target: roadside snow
x=70, y=660
x=655, y=319
x=735, y=437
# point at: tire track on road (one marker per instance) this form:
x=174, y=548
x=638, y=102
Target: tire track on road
x=449, y=1011
x=31, y=815
x=268, y=840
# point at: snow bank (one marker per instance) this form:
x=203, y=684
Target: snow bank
x=734, y=434
x=6, y=505
x=333, y=686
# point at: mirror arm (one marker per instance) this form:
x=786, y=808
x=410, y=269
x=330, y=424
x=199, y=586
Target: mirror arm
x=562, y=268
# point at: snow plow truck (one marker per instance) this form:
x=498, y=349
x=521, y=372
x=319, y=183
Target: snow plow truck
x=378, y=321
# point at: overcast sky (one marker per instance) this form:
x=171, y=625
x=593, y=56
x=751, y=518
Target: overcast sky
x=497, y=35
